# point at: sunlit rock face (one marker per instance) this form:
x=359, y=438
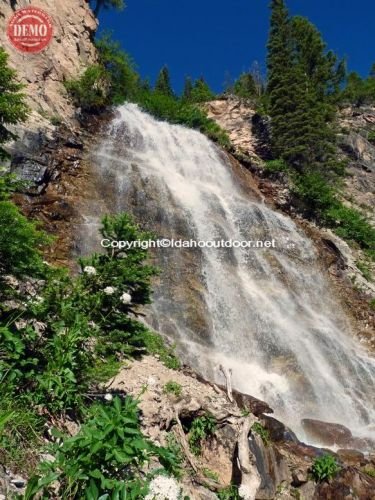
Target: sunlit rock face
x=70, y=51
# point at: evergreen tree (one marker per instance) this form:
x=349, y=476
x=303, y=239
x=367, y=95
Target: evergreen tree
x=13, y=108
x=303, y=78
x=244, y=86
x=188, y=88
x=163, y=83
x=201, y=92
x=108, y=4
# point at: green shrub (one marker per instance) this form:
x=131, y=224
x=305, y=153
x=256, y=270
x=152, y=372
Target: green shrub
x=13, y=108
x=371, y=136
x=229, y=493
x=172, y=387
x=201, y=428
x=178, y=111
x=324, y=468
x=209, y=474
x=90, y=91
x=262, y=432
x=351, y=225
x=365, y=270
x=104, y=458
x=21, y=242
x=276, y=166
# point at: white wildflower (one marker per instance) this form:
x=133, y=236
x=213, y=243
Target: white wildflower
x=89, y=270
x=126, y=298
x=108, y=397
x=162, y=487
x=109, y=290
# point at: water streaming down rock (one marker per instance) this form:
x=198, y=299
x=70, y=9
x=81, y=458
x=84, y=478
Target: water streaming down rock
x=267, y=314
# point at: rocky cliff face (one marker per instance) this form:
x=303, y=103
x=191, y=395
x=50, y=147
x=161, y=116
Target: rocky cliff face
x=69, y=52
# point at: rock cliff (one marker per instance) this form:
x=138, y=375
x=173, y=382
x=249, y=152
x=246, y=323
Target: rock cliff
x=68, y=53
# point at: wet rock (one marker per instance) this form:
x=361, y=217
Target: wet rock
x=272, y=468
x=18, y=482
x=277, y=430
x=326, y=433
x=349, y=484
x=255, y=406
x=31, y=170
x=299, y=477
x=73, y=142
x=351, y=457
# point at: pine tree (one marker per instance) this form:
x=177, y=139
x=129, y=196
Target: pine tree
x=108, y=4
x=188, y=88
x=303, y=79
x=281, y=78
x=201, y=92
x=244, y=86
x=163, y=83
x=13, y=108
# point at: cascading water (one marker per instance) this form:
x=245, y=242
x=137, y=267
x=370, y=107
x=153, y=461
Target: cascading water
x=266, y=314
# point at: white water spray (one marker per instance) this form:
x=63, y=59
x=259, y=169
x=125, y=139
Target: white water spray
x=268, y=313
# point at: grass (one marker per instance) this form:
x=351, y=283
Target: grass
x=172, y=387
x=262, y=432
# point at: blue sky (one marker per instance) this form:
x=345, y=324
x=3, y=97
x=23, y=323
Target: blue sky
x=214, y=38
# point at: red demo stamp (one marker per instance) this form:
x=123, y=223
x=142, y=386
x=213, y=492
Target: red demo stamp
x=30, y=29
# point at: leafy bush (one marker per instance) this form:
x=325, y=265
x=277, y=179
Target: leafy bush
x=13, y=108
x=229, y=493
x=276, y=166
x=365, y=270
x=21, y=242
x=262, y=432
x=178, y=111
x=91, y=91
x=172, y=387
x=201, y=428
x=324, y=468
x=104, y=458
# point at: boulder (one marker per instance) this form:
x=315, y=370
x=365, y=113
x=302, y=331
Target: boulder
x=326, y=433
x=277, y=430
x=351, y=457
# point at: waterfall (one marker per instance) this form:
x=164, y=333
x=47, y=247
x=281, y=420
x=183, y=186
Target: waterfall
x=268, y=314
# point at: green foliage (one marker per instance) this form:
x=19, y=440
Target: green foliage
x=104, y=458
x=21, y=242
x=324, y=468
x=13, y=108
x=244, y=86
x=229, y=493
x=188, y=88
x=372, y=304
x=124, y=82
x=91, y=91
x=155, y=344
x=20, y=435
x=108, y=4
x=303, y=80
x=370, y=471
x=180, y=112
x=209, y=474
x=371, y=136
x=163, y=83
x=275, y=166
x=351, y=225
x=365, y=270
x=359, y=91
x=201, y=428
x=262, y=432
x=172, y=387
x=200, y=92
